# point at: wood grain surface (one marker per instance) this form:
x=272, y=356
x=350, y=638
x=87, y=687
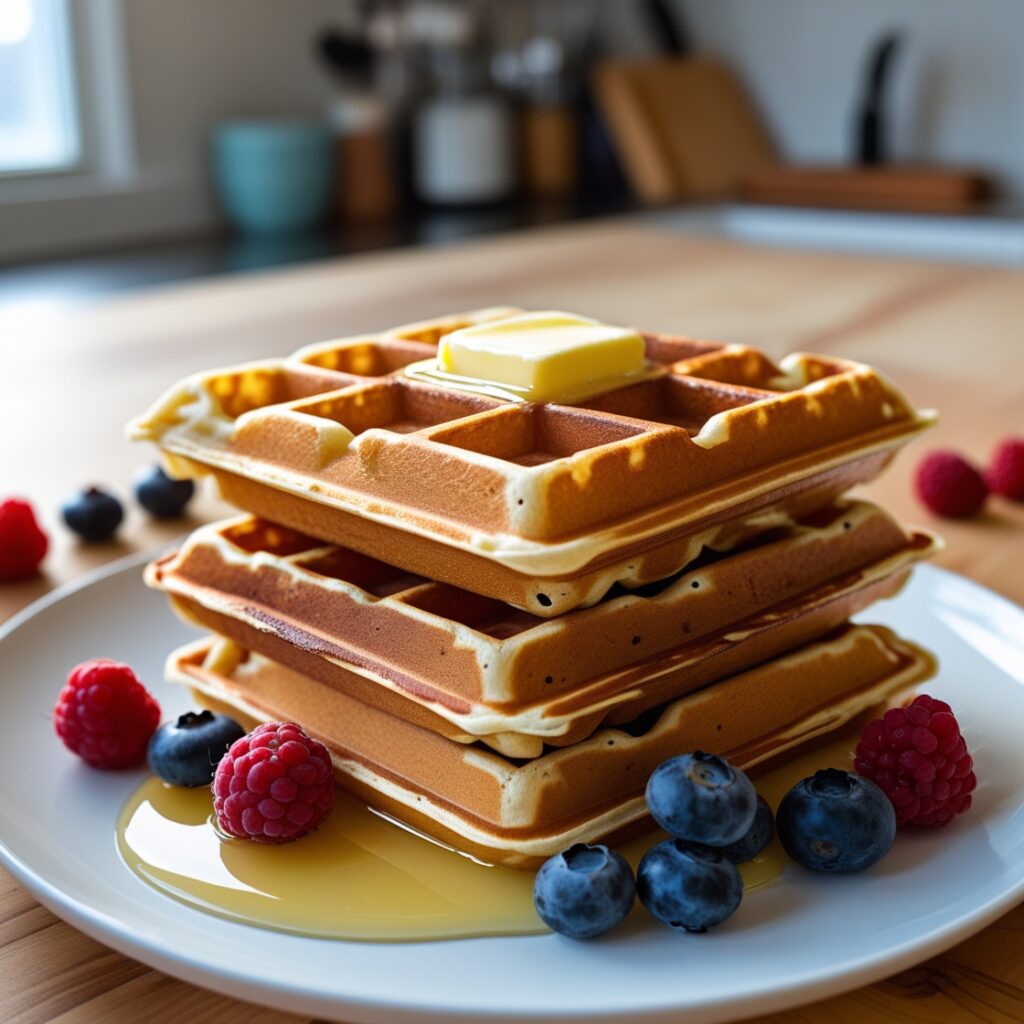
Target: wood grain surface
x=949, y=335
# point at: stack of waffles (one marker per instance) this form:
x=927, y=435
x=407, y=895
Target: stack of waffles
x=500, y=612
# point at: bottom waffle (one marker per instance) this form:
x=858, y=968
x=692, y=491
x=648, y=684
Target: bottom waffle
x=518, y=813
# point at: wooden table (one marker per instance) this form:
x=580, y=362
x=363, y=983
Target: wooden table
x=950, y=335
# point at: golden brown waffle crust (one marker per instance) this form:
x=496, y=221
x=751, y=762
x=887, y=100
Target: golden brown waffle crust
x=470, y=667
x=542, y=490
x=520, y=814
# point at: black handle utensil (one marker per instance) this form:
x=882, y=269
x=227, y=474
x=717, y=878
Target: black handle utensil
x=347, y=57
x=871, y=143
x=668, y=27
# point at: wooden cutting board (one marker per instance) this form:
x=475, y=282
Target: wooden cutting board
x=892, y=187
x=683, y=127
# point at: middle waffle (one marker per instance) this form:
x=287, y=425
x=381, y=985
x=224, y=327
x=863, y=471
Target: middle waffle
x=472, y=668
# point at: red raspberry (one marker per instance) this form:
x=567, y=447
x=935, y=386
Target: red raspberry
x=949, y=485
x=105, y=715
x=22, y=543
x=1005, y=475
x=917, y=755
x=273, y=785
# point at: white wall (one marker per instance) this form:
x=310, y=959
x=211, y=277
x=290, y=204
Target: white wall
x=195, y=61
x=959, y=92
x=958, y=85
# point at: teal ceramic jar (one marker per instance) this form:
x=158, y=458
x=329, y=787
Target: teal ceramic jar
x=274, y=176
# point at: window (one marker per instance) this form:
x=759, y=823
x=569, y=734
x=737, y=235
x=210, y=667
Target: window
x=38, y=123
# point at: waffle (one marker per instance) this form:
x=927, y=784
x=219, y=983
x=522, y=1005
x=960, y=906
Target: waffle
x=539, y=505
x=518, y=813
x=471, y=668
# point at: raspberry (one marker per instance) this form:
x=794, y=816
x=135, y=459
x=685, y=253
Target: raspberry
x=1005, y=475
x=949, y=485
x=105, y=715
x=918, y=757
x=22, y=543
x=273, y=785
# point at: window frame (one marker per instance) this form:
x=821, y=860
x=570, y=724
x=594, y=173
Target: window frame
x=70, y=86
x=97, y=80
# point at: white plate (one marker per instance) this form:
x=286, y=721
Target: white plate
x=804, y=938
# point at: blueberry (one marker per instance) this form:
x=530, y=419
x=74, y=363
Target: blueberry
x=688, y=885
x=92, y=513
x=584, y=891
x=186, y=752
x=702, y=798
x=160, y=495
x=758, y=836
x=835, y=821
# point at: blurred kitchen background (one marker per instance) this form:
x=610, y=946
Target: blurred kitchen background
x=143, y=142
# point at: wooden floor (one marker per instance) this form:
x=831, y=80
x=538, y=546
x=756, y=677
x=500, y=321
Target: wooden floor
x=951, y=336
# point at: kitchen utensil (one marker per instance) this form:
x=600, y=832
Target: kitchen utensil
x=872, y=144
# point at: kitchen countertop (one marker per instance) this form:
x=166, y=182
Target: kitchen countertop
x=71, y=279
x=992, y=236
x=948, y=334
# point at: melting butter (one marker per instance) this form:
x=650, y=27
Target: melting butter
x=538, y=357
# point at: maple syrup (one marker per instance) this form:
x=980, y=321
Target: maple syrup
x=362, y=876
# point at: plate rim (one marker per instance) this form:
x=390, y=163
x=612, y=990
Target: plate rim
x=222, y=978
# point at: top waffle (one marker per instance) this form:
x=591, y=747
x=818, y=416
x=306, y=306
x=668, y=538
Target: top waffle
x=543, y=505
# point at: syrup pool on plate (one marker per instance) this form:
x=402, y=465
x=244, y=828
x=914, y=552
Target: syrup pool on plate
x=361, y=876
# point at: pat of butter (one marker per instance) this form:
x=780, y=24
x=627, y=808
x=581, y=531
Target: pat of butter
x=544, y=357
